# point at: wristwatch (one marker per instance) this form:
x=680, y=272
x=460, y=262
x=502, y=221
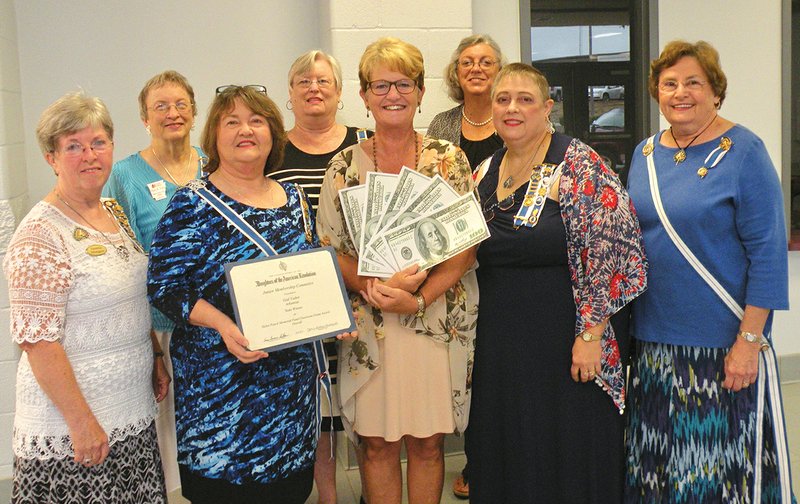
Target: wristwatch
x=420, y=305
x=587, y=336
x=754, y=338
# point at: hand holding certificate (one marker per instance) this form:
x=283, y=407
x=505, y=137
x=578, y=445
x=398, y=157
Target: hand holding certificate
x=289, y=299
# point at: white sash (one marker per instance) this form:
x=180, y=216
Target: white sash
x=767, y=363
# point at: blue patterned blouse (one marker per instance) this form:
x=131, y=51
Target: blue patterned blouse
x=237, y=422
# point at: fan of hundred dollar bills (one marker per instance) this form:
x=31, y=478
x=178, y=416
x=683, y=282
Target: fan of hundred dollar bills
x=399, y=220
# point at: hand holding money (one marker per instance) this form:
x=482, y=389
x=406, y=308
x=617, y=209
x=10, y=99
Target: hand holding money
x=389, y=299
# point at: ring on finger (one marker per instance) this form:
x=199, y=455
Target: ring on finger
x=746, y=384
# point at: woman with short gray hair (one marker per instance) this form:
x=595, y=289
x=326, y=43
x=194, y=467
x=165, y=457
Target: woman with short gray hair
x=89, y=374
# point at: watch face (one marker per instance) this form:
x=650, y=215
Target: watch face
x=587, y=336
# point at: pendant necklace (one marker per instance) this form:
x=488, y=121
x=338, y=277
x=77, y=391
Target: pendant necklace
x=680, y=156
x=98, y=250
x=476, y=124
x=508, y=182
x=375, y=151
x=174, y=180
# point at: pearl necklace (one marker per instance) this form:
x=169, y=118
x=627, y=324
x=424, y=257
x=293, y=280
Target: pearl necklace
x=476, y=124
x=375, y=151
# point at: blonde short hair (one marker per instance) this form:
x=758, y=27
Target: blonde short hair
x=524, y=70
x=305, y=63
x=162, y=79
x=396, y=55
x=70, y=113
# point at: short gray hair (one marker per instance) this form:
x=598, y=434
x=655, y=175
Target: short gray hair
x=454, y=90
x=306, y=61
x=70, y=113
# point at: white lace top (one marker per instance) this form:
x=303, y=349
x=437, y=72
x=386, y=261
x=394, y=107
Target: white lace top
x=96, y=306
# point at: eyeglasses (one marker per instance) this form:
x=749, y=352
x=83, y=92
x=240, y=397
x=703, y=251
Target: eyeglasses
x=307, y=83
x=670, y=86
x=382, y=87
x=163, y=107
x=76, y=149
x=231, y=87
x=484, y=63
x=503, y=205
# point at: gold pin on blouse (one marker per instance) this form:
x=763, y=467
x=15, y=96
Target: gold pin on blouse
x=80, y=234
x=702, y=171
x=725, y=143
x=647, y=149
x=96, y=250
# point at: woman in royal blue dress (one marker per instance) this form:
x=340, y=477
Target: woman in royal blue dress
x=245, y=419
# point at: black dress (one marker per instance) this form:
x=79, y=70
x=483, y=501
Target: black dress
x=536, y=436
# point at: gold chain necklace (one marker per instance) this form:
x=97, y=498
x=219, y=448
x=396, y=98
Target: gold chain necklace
x=122, y=250
x=680, y=156
x=174, y=180
x=510, y=180
x=375, y=151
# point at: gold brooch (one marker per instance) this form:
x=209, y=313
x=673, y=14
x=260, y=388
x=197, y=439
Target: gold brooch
x=725, y=143
x=702, y=171
x=647, y=149
x=80, y=234
x=96, y=250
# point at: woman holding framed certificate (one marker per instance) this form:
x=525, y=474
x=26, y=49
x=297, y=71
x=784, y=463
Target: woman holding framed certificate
x=407, y=378
x=245, y=419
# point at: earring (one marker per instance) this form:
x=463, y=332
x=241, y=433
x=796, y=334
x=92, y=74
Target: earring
x=419, y=110
x=289, y=104
x=367, y=112
x=147, y=129
x=340, y=106
x=550, y=128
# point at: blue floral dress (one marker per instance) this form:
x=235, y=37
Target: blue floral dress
x=242, y=423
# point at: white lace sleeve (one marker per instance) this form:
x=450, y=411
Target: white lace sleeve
x=39, y=273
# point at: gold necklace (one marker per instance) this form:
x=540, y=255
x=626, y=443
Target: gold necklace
x=174, y=180
x=510, y=180
x=680, y=156
x=122, y=250
x=375, y=151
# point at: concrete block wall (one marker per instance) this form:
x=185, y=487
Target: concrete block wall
x=13, y=203
x=349, y=26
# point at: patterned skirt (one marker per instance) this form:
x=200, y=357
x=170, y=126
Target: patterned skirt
x=131, y=474
x=689, y=439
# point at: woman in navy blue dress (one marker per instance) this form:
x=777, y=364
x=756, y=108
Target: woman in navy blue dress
x=245, y=419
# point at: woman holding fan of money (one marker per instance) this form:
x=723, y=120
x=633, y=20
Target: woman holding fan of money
x=563, y=257
x=406, y=379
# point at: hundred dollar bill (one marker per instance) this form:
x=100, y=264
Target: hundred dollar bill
x=380, y=187
x=409, y=185
x=352, y=200
x=435, y=196
x=438, y=236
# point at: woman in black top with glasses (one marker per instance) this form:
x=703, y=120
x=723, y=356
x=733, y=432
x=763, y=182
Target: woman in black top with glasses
x=469, y=77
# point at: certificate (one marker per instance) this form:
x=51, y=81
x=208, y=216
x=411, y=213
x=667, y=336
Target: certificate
x=289, y=299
